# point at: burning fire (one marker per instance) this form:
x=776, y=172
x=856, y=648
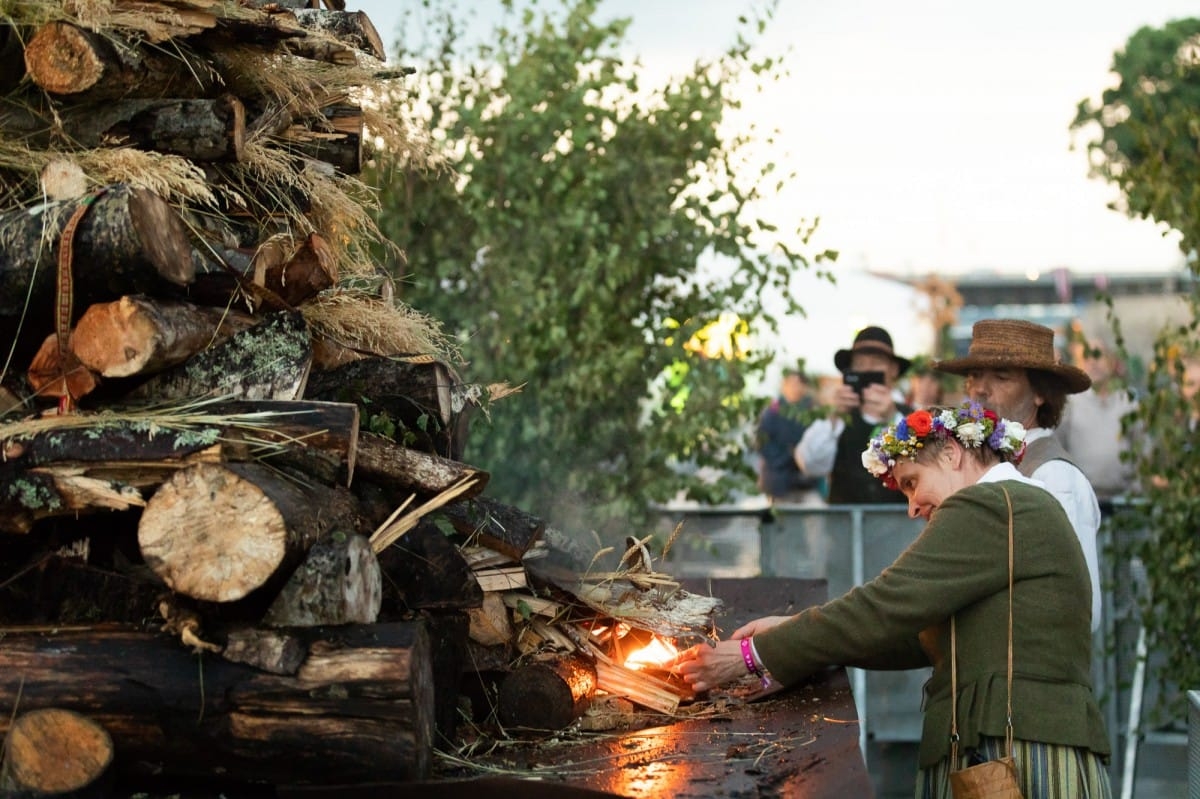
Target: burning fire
x=655, y=654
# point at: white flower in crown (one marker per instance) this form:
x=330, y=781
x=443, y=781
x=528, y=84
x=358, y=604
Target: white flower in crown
x=1014, y=436
x=971, y=434
x=873, y=463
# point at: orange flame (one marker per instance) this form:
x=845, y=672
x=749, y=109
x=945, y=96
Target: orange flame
x=654, y=654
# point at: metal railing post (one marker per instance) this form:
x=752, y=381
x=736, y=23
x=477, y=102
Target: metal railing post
x=858, y=677
x=1193, y=745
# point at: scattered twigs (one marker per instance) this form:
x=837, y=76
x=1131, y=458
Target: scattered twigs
x=394, y=527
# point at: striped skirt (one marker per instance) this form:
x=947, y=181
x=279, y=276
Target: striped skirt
x=1047, y=771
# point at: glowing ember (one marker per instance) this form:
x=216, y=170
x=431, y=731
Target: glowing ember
x=654, y=654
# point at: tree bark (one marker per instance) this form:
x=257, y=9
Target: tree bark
x=60, y=492
x=220, y=532
x=359, y=708
x=504, y=528
x=197, y=129
x=111, y=463
x=547, y=695
x=86, y=468
x=405, y=470
x=418, y=397
x=66, y=59
x=289, y=4
x=55, y=752
x=268, y=361
x=140, y=335
x=276, y=651
x=339, y=582
x=319, y=439
x=316, y=49
x=129, y=241
x=352, y=27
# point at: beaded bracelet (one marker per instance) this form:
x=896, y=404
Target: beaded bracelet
x=751, y=666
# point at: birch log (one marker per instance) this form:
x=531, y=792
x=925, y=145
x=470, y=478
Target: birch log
x=140, y=334
x=270, y=360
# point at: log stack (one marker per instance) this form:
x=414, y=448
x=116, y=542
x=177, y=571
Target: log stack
x=239, y=534
x=181, y=223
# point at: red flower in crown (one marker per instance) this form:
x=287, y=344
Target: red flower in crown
x=990, y=414
x=920, y=423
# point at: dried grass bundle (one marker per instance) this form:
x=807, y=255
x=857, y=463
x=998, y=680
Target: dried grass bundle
x=364, y=322
x=339, y=207
x=172, y=177
x=182, y=420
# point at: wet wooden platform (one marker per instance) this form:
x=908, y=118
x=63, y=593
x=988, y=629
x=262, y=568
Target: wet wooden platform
x=800, y=742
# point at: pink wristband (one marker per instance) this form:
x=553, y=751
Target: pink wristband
x=751, y=666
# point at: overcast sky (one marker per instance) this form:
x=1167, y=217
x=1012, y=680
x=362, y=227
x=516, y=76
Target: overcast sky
x=927, y=136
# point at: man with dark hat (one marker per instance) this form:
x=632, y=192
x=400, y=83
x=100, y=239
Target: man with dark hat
x=864, y=401
x=1012, y=368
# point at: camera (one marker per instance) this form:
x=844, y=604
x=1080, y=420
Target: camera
x=860, y=380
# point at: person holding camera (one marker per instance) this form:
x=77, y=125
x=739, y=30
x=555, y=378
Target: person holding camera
x=866, y=399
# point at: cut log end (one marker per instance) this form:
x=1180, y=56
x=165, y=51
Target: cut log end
x=548, y=695
x=211, y=534
x=54, y=751
x=62, y=59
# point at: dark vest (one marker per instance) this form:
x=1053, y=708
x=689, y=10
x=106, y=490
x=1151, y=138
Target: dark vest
x=1041, y=451
x=849, y=482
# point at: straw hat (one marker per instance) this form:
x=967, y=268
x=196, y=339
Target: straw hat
x=870, y=339
x=1015, y=344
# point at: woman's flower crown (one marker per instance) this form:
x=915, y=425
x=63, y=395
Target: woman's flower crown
x=971, y=424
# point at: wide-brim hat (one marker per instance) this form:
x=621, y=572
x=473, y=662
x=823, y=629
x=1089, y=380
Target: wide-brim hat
x=870, y=339
x=1015, y=344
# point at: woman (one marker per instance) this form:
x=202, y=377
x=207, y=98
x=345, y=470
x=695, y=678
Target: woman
x=954, y=465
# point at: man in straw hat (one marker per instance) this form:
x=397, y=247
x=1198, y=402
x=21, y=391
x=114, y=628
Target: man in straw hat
x=1011, y=367
x=834, y=446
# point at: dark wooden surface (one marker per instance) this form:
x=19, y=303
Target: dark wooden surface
x=799, y=742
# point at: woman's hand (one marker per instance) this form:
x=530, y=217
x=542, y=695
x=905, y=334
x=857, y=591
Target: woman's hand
x=705, y=666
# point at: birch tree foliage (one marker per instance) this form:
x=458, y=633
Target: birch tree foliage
x=1146, y=142
x=596, y=236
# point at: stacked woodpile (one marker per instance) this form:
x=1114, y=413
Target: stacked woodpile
x=239, y=535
